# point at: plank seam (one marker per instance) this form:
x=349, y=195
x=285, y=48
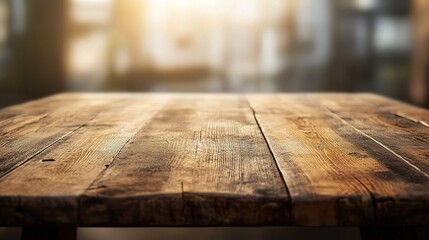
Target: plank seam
x=272, y=155
x=371, y=195
x=137, y=130
x=41, y=150
x=411, y=119
x=24, y=125
x=100, y=174
x=114, y=157
x=379, y=143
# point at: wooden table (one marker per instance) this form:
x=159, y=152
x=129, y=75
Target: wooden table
x=75, y=160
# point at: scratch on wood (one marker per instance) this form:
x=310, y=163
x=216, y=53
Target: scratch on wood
x=412, y=119
x=112, y=159
x=241, y=178
x=183, y=200
x=379, y=143
x=182, y=190
x=48, y=160
x=198, y=142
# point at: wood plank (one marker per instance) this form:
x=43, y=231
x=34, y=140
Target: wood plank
x=367, y=102
x=410, y=112
x=16, y=116
x=402, y=136
x=329, y=167
x=322, y=190
x=63, y=171
x=10, y=122
x=210, y=102
x=201, y=160
x=28, y=128
x=27, y=138
x=408, y=140
x=196, y=163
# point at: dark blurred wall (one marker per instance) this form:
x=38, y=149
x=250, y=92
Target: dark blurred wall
x=33, y=51
x=40, y=50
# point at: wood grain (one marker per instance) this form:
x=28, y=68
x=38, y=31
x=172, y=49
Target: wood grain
x=310, y=155
x=29, y=128
x=23, y=139
x=214, y=160
x=196, y=163
x=387, y=124
x=323, y=157
x=367, y=102
x=60, y=173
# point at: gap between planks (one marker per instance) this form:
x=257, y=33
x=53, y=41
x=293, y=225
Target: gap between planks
x=41, y=150
x=371, y=139
x=104, y=170
x=411, y=119
x=377, y=142
x=366, y=190
x=272, y=154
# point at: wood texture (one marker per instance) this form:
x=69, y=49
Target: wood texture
x=30, y=128
x=45, y=188
x=197, y=162
x=330, y=163
x=214, y=160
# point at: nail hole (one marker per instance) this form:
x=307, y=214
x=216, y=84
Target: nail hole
x=48, y=160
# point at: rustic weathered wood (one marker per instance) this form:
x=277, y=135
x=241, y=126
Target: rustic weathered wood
x=41, y=127
x=314, y=162
x=200, y=161
x=333, y=165
x=45, y=189
x=204, y=160
x=366, y=102
x=398, y=134
x=49, y=233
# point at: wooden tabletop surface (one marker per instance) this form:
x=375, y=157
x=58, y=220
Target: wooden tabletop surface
x=214, y=160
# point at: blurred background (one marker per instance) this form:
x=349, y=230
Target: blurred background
x=377, y=46
x=50, y=46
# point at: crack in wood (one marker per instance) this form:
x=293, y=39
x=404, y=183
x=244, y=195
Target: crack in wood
x=272, y=154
